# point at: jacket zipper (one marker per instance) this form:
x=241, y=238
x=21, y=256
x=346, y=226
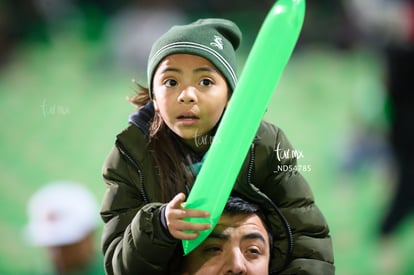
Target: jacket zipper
x=137, y=168
x=280, y=214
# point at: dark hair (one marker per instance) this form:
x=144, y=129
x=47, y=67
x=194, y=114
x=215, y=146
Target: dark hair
x=170, y=154
x=236, y=205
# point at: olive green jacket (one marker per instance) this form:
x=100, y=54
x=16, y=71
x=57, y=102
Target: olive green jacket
x=134, y=240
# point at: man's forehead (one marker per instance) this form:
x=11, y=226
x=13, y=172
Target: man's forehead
x=228, y=223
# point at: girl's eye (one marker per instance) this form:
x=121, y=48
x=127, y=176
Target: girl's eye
x=206, y=82
x=170, y=83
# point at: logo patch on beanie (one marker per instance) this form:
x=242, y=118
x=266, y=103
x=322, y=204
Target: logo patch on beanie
x=218, y=42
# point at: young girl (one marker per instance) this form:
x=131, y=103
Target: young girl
x=151, y=169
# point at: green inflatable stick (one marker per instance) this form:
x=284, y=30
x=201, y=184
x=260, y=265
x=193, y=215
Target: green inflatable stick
x=263, y=68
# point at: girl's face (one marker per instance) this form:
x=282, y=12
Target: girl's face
x=190, y=94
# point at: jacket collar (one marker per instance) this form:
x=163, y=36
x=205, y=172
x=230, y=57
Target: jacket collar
x=142, y=118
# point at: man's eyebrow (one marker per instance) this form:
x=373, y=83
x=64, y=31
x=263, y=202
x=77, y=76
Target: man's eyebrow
x=249, y=236
x=254, y=235
x=220, y=236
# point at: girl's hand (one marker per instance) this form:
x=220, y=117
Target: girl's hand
x=175, y=214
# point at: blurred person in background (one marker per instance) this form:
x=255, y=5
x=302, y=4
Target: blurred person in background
x=389, y=26
x=400, y=85
x=132, y=30
x=63, y=218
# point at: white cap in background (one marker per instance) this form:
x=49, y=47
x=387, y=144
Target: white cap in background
x=61, y=213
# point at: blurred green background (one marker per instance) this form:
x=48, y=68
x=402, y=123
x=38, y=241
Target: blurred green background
x=63, y=89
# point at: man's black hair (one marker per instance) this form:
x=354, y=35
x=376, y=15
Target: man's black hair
x=237, y=205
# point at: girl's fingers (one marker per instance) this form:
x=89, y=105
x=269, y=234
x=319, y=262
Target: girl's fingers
x=175, y=214
x=183, y=230
x=177, y=201
x=175, y=209
x=181, y=225
x=192, y=213
x=188, y=231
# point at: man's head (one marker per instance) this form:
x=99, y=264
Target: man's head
x=239, y=244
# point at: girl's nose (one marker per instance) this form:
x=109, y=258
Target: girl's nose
x=187, y=95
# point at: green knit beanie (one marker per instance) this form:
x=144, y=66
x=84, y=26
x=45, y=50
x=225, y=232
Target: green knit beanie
x=213, y=38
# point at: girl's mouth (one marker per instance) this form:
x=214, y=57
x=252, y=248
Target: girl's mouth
x=188, y=118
